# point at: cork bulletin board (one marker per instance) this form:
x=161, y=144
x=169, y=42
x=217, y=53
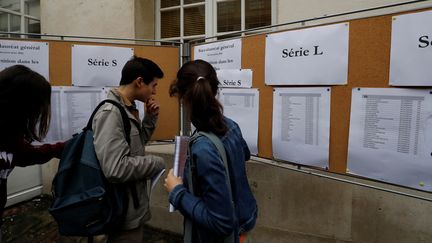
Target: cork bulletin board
x=167, y=57
x=368, y=66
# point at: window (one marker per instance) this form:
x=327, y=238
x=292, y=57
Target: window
x=228, y=15
x=191, y=19
x=20, y=16
x=180, y=19
x=257, y=13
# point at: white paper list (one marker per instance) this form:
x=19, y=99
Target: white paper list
x=241, y=105
x=77, y=106
x=404, y=125
x=390, y=131
x=55, y=129
x=300, y=119
x=301, y=123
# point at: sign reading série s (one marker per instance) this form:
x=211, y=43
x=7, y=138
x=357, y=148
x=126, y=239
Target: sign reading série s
x=221, y=55
x=31, y=54
x=98, y=65
x=411, y=50
x=235, y=78
x=312, y=56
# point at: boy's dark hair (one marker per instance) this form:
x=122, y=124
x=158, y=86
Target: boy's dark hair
x=140, y=67
x=25, y=103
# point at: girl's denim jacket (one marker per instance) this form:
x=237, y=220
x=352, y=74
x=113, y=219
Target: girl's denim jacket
x=211, y=209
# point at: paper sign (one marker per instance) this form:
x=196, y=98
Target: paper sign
x=235, y=78
x=98, y=66
x=222, y=55
x=31, y=54
x=314, y=56
x=411, y=50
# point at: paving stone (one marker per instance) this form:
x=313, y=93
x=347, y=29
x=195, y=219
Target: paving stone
x=30, y=222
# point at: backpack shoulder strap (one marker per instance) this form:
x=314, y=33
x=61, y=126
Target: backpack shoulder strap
x=125, y=118
x=127, y=128
x=221, y=149
x=222, y=152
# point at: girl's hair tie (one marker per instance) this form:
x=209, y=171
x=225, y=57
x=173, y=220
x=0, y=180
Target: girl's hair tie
x=200, y=78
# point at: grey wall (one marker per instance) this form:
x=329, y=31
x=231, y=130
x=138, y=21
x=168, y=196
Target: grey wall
x=299, y=207
x=295, y=10
x=120, y=19
x=144, y=19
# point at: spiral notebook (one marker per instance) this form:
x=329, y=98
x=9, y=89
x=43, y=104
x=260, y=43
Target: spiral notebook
x=180, y=156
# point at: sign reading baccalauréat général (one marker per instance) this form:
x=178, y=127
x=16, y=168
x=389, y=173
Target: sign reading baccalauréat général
x=28, y=53
x=221, y=55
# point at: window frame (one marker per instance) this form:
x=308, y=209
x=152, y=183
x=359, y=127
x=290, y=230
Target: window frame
x=210, y=19
x=23, y=17
x=182, y=7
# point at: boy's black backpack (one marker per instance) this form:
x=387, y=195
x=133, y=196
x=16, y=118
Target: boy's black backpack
x=85, y=203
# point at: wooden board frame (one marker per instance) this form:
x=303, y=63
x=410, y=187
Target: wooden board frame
x=368, y=66
x=167, y=57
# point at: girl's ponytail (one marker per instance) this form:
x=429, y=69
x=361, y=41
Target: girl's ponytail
x=197, y=86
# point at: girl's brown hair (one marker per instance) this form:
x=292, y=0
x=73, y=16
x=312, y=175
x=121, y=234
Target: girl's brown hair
x=197, y=86
x=25, y=103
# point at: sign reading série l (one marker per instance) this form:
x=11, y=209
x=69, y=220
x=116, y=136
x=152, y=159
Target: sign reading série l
x=221, y=55
x=235, y=78
x=98, y=65
x=310, y=56
x=411, y=50
x=31, y=54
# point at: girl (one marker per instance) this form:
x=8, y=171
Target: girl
x=211, y=213
x=25, y=106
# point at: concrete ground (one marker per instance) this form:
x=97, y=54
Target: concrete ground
x=30, y=222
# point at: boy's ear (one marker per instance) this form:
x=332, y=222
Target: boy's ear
x=138, y=81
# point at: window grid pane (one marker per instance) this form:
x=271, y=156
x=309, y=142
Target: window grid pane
x=170, y=23
x=228, y=36
x=194, y=21
x=32, y=8
x=3, y=21
x=168, y=44
x=229, y=16
x=192, y=1
x=169, y=3
x=13, y=5
x=258, y=13
x=15, y=23
x=33, y=26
